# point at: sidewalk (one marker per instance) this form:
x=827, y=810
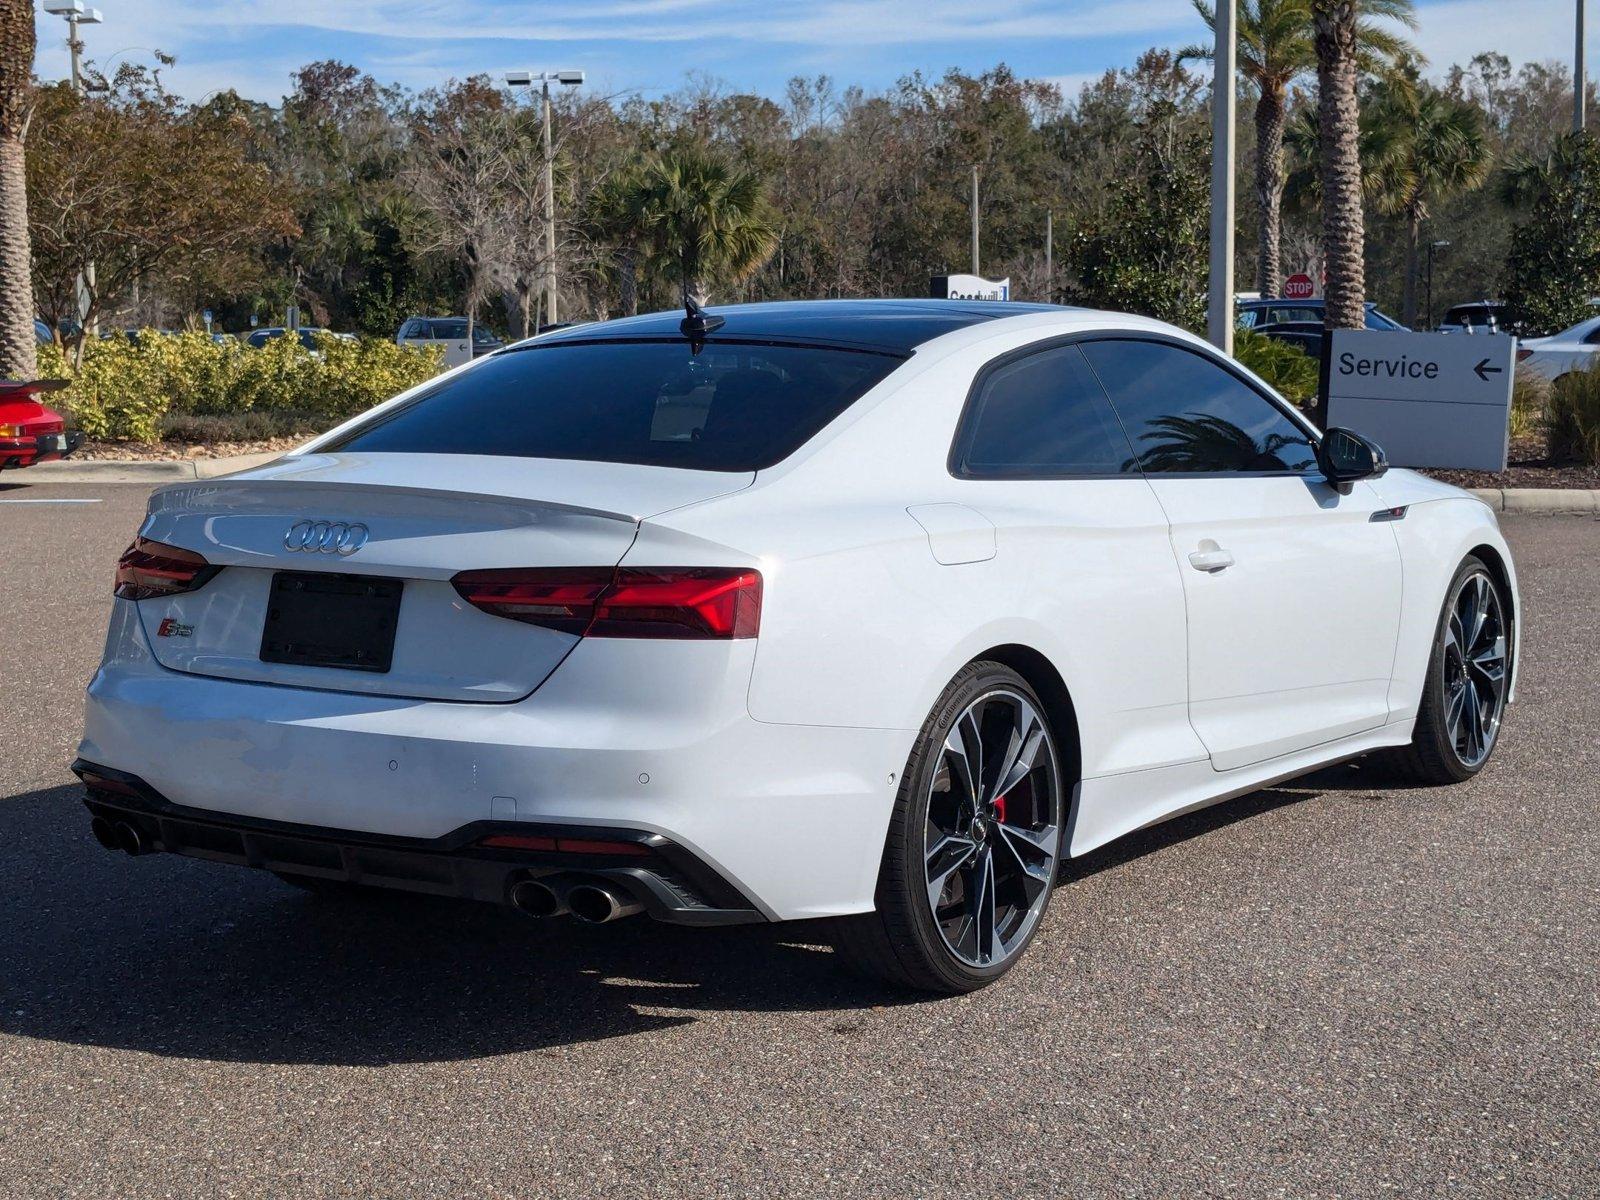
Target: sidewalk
x=102, y=471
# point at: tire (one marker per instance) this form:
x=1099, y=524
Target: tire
x=991, y=848
x=1443, y=748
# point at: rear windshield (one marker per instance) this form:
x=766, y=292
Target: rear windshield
x=732, y=407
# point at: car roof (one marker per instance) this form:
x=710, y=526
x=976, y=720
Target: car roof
x=896, y=326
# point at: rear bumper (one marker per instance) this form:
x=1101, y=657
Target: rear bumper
x=25, y=451
x=641, y=736
x=671, y=883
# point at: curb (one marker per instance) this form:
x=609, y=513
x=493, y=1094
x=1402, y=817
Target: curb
x=142, y=472
x=1541, y=500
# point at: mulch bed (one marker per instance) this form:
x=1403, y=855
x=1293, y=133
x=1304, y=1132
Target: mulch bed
x=1528, y=466
x=178, y=451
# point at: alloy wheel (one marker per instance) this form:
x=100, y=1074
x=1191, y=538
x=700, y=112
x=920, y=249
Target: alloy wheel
x=1474, y=662
x=993, y=828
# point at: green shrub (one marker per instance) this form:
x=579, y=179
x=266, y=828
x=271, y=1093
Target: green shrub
x=125, y=389
x=1289, y=369
x=1573, y=423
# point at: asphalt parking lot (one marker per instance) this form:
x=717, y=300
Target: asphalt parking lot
x=1334, y=988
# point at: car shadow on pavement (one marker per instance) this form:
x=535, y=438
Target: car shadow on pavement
x=191, y=959
x=198, y=960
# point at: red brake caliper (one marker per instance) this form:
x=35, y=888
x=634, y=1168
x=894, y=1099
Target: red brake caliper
x=1000, y=807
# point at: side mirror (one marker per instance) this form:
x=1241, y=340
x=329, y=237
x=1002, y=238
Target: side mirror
x=1345, y=457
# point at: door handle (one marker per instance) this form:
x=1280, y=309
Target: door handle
x=1210, y=558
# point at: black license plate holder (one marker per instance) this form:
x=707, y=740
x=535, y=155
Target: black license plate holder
x=317, y=619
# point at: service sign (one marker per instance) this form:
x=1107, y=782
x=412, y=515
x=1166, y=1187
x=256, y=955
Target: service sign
x=970, y=287
x=1429, y=399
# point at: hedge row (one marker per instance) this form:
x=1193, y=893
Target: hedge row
x=125, y=387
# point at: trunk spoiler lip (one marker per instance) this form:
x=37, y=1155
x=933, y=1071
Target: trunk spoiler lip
x=252, y=488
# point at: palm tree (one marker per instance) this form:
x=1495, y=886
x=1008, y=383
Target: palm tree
x=708, y=219
x=1337, y=25
x=18, y=358
x=1275, y=47
x=619, y=215
x=1440, y=151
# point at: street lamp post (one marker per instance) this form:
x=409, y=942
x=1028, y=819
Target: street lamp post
x=1220, y=318
x=1432, y=246
x=1580, y=77
x=545, y=79
x=76, y=13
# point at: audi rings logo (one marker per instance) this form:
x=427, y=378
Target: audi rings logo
x=325, y=537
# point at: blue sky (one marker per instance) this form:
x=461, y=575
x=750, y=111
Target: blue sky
x=648, y=46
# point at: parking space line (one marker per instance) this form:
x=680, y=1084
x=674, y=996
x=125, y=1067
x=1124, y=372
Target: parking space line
x=38, y=500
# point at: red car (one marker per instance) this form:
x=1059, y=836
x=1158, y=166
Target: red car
x=30, y=432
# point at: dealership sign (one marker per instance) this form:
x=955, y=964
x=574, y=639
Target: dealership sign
x=969, y=287
x=1429, y=399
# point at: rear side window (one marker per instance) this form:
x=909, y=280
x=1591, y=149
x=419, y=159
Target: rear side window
x=1042, y=416
x=449, y=331
x=1185, y=413
x=732, y=407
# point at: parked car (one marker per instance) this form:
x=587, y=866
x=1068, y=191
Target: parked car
x=307, y=334
x=1305, y=335
x=872, y=611
x=134, y=334
x=1560, y=353
x=30, y=431
x=1277, y=312
x=450, y=333
x=42, y=333
x=1480, y=316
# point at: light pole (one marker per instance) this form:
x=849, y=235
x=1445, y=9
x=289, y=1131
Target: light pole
x=975, y=269
x=1220, y=319
x=1432, y=246
x=1580, y=77
x=545, y=79
x=76, y=13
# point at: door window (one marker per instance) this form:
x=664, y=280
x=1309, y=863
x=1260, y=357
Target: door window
x=1042, y=416
x=1186, y=413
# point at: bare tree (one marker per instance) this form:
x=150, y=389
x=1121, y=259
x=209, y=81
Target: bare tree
x=18, y=358
x=460, y=173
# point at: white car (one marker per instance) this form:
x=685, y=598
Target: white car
x=872, y=611
x=1560, y=353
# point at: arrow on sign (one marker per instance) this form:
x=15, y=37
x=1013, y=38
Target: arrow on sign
x=1484, y=370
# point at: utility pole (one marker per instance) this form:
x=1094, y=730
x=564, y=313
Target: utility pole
x=545, y=79
x=549, y=209
x=77, y=13
x=1049, y=257
x=975, y=221
x=1220, y=318
x=1580, y=78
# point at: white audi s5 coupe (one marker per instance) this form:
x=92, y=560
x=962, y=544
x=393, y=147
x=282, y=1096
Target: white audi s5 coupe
x=873, y=611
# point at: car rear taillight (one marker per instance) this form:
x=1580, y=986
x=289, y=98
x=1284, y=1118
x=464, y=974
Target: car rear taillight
x=149, y=569
x=655, y=602
x=1524, y=355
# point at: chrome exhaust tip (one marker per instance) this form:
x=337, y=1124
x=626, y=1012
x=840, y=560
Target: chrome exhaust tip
x=536, y=899
x=597, y=905
x=129, y=839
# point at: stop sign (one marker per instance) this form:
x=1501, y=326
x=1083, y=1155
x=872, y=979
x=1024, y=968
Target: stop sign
x=1299, y=287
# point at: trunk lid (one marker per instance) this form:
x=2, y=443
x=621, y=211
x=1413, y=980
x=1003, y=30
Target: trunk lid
x=422, y=518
